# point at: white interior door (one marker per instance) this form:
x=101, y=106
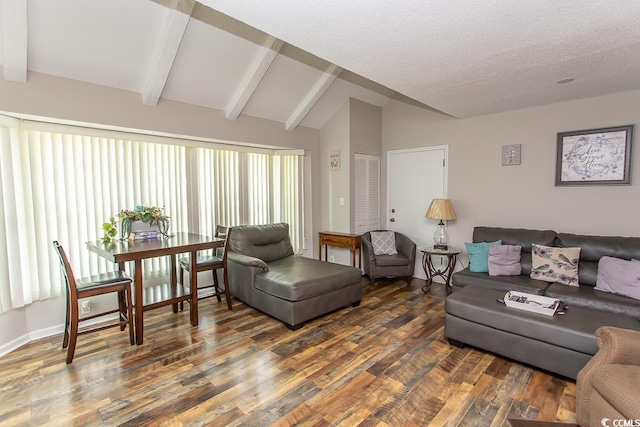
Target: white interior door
x=414, y=178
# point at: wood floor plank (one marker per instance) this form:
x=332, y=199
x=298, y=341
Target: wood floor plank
x=385, y=363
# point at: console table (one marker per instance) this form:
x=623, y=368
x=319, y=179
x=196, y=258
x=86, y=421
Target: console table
x=340, y=240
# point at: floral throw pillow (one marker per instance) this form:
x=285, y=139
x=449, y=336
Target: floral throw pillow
x=555, y=264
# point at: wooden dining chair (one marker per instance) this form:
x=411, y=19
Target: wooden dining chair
x=206, y=263
x=106, y=283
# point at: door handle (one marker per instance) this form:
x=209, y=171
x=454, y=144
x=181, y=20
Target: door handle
x=392, y=220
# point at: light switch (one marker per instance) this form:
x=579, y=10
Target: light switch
x=341, y=201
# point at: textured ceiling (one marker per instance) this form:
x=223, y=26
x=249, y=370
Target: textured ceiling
x=465, y=57
x=297, y=62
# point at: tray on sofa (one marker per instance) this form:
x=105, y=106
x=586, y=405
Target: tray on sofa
x=531, y=302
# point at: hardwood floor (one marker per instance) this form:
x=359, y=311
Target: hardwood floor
x=384, y=363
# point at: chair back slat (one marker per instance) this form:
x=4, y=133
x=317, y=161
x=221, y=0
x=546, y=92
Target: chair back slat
x=221, y=231
x=67, y=271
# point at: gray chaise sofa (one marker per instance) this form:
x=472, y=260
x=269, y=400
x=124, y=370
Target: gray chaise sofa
x=561, y=343
x=264, y=273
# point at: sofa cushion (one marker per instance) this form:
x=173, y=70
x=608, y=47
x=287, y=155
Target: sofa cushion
x=504, y=260
x=619, y=276
x=516, y=236
x=391, y=260
x=555, y=264
x=383, y=242
x=520, y=283
x=594, y=248
x=618, y=385
x=479, y=255
x=588, y=297
x=297, y=278
x=268, y=242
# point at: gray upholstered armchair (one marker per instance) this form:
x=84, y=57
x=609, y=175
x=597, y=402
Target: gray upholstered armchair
x=609, y=384
x=398, y=265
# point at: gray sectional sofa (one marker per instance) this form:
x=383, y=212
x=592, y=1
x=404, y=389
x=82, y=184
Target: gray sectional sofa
x=264, y=273
x=561, y=343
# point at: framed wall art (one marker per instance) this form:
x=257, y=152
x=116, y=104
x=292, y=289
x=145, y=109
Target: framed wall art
x=334, y=160
x=594, y=156
x=511, y=154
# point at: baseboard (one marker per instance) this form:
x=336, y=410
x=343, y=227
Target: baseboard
x=28, y=337
x=46, y=333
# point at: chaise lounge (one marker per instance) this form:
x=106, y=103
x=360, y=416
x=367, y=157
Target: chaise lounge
x=264, y=273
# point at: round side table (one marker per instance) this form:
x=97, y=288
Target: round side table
x=431, y=271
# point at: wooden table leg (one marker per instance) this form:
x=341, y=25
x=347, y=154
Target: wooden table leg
x=451, y=266
x=193, y=288
x=139, y=304
x=427, y=266
x=173, y=280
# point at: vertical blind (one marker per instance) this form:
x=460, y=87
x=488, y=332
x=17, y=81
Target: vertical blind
x=64, y=185
x=288, y=196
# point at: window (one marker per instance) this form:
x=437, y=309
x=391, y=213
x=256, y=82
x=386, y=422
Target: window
x=61, y=183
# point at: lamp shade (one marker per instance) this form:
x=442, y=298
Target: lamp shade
x=441, y=209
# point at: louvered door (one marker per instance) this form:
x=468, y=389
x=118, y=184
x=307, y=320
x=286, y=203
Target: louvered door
x=367, y=193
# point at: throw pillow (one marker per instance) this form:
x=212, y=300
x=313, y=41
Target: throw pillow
x=384, y=242
x=504, y=260
x=551, y=264
x=479, y=255
x=619, y=276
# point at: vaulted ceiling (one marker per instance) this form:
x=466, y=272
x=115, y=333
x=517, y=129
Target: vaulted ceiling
x=297, y=62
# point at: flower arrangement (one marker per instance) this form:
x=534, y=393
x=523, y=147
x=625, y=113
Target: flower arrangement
x=153, y=215
x=150, y=214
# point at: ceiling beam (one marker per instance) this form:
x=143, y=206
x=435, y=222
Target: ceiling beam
x=313, y=96
x=253, y=77
x=167, y=49
x=15, y=36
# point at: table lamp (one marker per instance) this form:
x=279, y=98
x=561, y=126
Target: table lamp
x=441, y=209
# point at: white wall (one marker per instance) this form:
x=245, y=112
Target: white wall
x=334, y=136
x=355, y=128
x=366, y=138
x=54, y=97
x=485, y=193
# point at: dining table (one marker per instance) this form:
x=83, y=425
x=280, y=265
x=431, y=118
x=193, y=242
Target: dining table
x=135, y=251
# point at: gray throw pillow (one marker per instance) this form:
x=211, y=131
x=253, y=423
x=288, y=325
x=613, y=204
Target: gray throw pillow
x=384, y=242
x=618, y=276
x=504, y=260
